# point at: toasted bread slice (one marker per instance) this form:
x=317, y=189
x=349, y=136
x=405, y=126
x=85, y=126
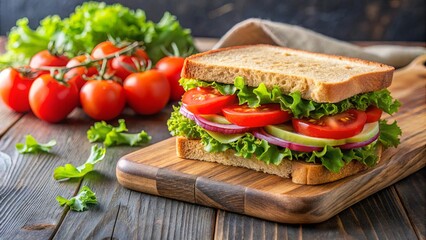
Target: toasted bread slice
x=299, y=172
x=318, y=77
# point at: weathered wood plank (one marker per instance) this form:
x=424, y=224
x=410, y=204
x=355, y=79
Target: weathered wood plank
x=7, y=118
x=124, y=214
x=28, y=209
x=411, y=192
x=368, y=219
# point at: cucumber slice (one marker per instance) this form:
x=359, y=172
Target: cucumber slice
x=370, y=130
x=225, y=138
x=286, y=132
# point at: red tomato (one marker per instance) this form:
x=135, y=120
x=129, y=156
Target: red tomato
x=102, y=99
x=46, y=59
x=76, y=74
x=339, y=126
x=206, y=100
x=52, y=101
x=147, y=92
x=266, y=114
x=14, y=89
x=124, y=65
x=373, y=114
x=171, y=67
x=141, y=55
x=103, y=49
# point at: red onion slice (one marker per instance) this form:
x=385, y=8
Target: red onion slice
x=213, y=126
x=359, y=144
x=261, y=134
x=186, y=113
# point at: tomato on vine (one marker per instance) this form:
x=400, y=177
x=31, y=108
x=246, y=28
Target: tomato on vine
x=77, y=74
x=14, y=89
x=47, y=59
x=124, y=65
x=52, y=100
x=104, y=49
x=102, y=99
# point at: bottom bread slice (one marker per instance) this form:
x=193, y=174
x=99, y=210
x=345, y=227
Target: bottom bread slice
x=299, y=172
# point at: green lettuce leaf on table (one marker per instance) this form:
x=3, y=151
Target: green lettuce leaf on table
x=112, y=136
x=90, y=24
x=32, y=146
x=81, y=201
x=68, y=171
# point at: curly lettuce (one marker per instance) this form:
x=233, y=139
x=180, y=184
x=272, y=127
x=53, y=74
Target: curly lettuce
x=332, y=158
x=294, y=102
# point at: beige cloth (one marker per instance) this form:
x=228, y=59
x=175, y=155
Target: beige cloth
x=256, y=31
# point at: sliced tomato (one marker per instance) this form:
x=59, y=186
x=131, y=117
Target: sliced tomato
x=339, y=126
x=373, y=114
x=266, y=114
x=202, y=100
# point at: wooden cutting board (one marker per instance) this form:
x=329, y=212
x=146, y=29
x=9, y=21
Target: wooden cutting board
x=156, y=170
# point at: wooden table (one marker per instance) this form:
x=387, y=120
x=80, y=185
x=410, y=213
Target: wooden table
x=28, y=209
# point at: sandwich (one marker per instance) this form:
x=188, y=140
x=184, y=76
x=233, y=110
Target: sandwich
x=311, y=117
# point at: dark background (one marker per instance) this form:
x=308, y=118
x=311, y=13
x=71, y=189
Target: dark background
x=376, y=20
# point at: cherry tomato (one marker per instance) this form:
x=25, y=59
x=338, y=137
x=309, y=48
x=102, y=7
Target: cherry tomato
x=102, y=99
x=46, y=59
x=266, y=114
x=77, y=74
x=373, y=114
x=103, y=49
x=206, y=100
x=147, y=92
x=171, y=67
x=52, y=101
x=339, y=126
x=141, y=55
x=14, y=89
x=125, y=65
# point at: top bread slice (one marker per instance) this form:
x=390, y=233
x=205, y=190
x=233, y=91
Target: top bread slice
x=318, y=77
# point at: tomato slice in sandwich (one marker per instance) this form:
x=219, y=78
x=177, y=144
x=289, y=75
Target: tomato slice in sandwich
x=202, y=100
x=373, y=114
x=339, y=126
x=266, y=114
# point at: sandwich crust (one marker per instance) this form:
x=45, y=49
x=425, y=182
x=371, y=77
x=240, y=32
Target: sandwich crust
x=318, y=77
x=299, y=172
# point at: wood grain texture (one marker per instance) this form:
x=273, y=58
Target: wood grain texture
x=272, y=198
x=364, y=220
x=28, y=209
x=7, y=118
x=411, y=191
x=123, y=214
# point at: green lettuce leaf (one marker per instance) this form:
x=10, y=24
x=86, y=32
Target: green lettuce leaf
x=68, y=171
x=389, y=134
x=32, y=146
x=99, y=130
x=112, y=136
x=332, y=158
x=81, y=201
x=293, y=102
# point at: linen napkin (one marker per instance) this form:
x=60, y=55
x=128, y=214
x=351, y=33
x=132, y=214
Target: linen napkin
x=257, y=31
